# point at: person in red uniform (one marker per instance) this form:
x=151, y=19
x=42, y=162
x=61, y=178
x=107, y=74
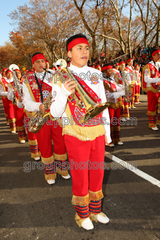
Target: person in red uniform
x=116, y=102
x=150, y=84
x=138, y=83
x=3, y=93
x=37, y=86
x=85, y=142
x=126, y=82
x=13, y=95
x=11, y=114
x=130, y=69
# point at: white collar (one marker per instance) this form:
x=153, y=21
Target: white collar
x=76, y=69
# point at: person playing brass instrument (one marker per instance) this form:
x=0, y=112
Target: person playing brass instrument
x=116, y=102
x=85, y=141
x=126, y=81
x=15, y=93
x=37, y=86
x=130, y=70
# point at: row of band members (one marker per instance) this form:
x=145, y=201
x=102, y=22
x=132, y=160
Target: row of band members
x=82, y=142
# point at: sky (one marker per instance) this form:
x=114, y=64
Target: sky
x=8, y=6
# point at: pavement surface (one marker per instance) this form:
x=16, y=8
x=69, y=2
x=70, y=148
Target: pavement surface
x=31, y=209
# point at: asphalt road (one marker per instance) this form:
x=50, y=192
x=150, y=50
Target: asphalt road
x=31, y=209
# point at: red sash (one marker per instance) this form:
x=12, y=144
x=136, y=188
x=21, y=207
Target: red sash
x=5, y=84
x=154, y=73
x=46, y=89
x=78, y=112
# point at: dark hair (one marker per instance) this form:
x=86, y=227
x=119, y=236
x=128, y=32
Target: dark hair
x=79, y=35
x=155, y=48
x=36, y=54
x=108, y=64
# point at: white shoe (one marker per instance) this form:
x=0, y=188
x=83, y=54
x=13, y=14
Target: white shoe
x=127, y=118
x=14, y=132
x=136, y=103
x=51, y=181
x=22, y=141
x=102, y=218
x=133, y=107
x=123, y=119
x=111, y=145
x=87, y=224
x=37, y=158
x=7, y=124
x=120, y=143
x=66, y=177
x=155, y=128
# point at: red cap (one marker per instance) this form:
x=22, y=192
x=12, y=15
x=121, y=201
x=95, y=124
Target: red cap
x=38, y=56
x=129, y=60
x=107, y=67
x=8, y=71
x=77, y=41
x=4, y=69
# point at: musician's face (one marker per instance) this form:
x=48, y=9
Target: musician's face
x=109, y=72
x=38, y=65
x=4, y=73
x=130, y=63
x=156, y=57
x=9, y=75
x=122, y=66
x=79, y=55
x=18, y=75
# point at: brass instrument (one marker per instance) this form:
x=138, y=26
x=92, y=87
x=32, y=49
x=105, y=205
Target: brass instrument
x=16, y=83
x=18, y=86
x=93, y=109
x=40, y=118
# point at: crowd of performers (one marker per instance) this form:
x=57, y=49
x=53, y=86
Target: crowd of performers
x=80, y=143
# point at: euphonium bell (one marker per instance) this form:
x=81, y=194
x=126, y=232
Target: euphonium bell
x=93, y=109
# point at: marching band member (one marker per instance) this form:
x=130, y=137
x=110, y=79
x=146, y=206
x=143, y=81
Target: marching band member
x=150, y=84
x=138, y=83
x=19, y=75
x=11, y=114
x=129, y=68
x=13, y=96
x=3, y=93
x=125, y=101
x=85, y=142
x=37, y=86
x=114, y=108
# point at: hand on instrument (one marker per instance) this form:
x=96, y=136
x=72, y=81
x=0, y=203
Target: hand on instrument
x=70, y=86
x=42, y=108
x=20, y=99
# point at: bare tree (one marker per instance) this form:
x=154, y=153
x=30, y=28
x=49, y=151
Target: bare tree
x=158, y=23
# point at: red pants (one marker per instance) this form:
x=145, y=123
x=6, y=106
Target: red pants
x=52, y=130
x=32, y=139
x=86, y=160
x=5, y=105
x=11, y=116
x=19, y=115
x=153, y=103
x=137, y=93
x=115, y=124
x=124, y=110
x=133, y=96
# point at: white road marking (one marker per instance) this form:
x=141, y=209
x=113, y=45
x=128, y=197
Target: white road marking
x=133, y=169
